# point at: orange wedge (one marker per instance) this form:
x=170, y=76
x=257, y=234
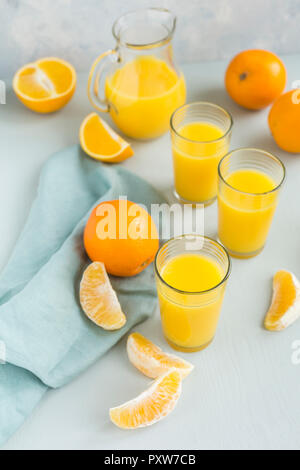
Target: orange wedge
x=285, y=305
x=101, y=142
x=46, y=85
x=98, y=299
x=152, y=405
x=151, y=360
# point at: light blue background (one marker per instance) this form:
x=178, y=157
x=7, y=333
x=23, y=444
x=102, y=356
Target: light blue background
x=78, y=30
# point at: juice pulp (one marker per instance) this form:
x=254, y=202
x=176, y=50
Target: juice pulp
x=196, y=160
x=189, y=319
x=245, y=219
x=142, y=95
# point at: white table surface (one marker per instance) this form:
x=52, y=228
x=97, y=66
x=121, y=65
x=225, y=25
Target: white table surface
x=245, y=391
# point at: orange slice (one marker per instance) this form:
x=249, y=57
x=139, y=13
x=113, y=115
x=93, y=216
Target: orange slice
x=285, y=305
x=98, y=299
x=151, y=360
x=101, y=142
x=46, y=85
x=152, y=405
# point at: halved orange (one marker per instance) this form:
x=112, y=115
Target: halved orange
x=152, y=405
x=101, y=142
x=46, y=85
x=151, y=360
x=285, y=305
x=98, y=299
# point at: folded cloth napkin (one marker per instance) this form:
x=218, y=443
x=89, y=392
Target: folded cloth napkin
x=48, y=339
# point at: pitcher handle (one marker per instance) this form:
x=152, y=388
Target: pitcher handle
x=101, y=104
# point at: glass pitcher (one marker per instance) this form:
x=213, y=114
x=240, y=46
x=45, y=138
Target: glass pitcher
x=142, y=85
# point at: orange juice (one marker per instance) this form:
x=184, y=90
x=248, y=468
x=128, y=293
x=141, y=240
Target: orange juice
x=201, y=135
x=246, y=207
x=196, y=175
x=142, y=96
x=191, y=310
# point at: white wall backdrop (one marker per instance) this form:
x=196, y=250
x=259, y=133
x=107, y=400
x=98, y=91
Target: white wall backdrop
x=78, y=30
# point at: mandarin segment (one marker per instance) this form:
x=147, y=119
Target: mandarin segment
x=151, y=360
x=285, y=305
x=151, y=406
x=98, y=299
x=101, y=142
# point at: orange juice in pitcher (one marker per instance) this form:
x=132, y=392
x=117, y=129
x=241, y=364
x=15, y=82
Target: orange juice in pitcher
x=143, y=86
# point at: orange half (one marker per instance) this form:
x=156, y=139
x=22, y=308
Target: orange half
x=285, y=305
x=101, y=142
x=151, y=360
x=46, y=85
x=98, y=299
x=151, y=406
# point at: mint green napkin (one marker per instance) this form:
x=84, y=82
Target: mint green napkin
x=48, y=339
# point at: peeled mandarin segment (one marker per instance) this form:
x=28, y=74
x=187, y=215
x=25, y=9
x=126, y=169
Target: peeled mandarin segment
x=152, y=405
x=98, y=299
x=151, y=360
x=285, y=305
x=46, y=85
x=101, y=142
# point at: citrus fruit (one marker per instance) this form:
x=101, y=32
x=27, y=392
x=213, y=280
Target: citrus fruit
x=98, y=299
x=151, y=360
x=46, y=85
x=284, y=121
x=101, y=142
x=255, y=78
x=285, y=305
x=152, y=405
x=122, y=235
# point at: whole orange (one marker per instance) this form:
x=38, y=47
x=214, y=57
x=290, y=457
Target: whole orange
x=284, y=121
x=255, y=78
x=122, y=235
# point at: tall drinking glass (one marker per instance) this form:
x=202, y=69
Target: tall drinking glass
x=249, y=184
x=200, y=135
x=191, y=276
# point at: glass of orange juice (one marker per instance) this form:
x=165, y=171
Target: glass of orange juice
x=191, y=275
x=200, y=135
x=249, y=184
